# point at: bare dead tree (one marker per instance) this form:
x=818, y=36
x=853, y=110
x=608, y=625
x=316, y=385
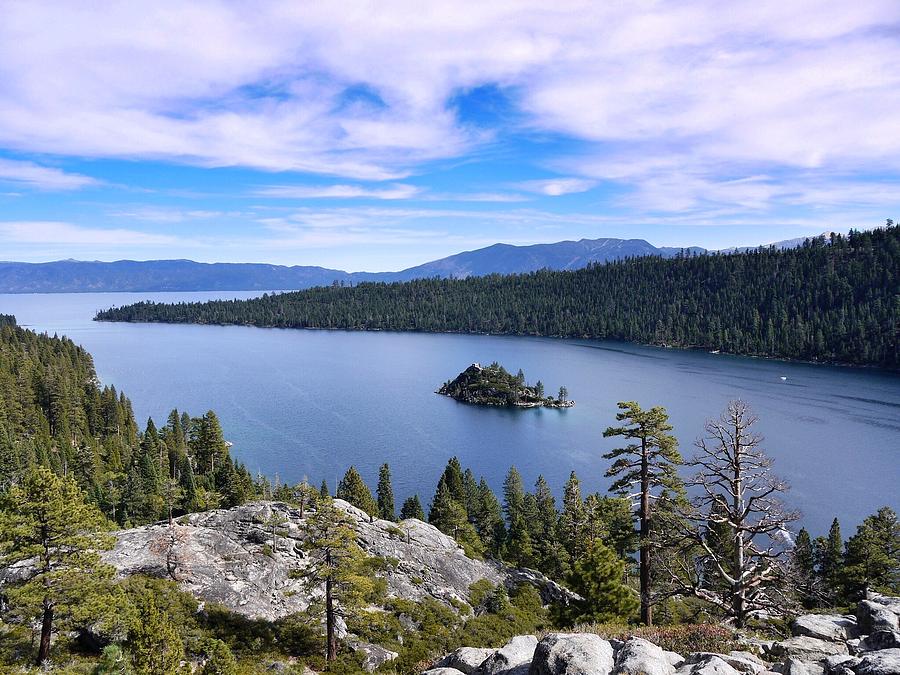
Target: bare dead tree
x=733, y=534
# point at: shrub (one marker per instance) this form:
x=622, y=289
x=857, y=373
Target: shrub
x=682, y=639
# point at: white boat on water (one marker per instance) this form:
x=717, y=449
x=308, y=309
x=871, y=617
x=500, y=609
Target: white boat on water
x=783, y=378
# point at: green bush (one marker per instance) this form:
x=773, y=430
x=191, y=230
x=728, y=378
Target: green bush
x=219, y=659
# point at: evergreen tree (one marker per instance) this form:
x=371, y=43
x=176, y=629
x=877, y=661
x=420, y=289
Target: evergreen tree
x=453, y=478
x=323, y=489
x=46, y=522
x=647, y=462
x=573, y=519
x=830, y=561
x=550, y=556
x=353, y=489
x=518, y=547
x=336, y=565
x=412, y=508
x=10, y=463
x=513, y=496
x=470, y=489
x=449, y=516
x=597, y=578
x=487, y=517
x=872, y=560
x=385, y=494
x=803, y=563
x=207, y=442
x=611, y=519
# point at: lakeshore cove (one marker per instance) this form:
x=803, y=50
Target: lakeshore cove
x=309, y=403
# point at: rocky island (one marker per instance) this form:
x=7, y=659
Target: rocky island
x=493, y=385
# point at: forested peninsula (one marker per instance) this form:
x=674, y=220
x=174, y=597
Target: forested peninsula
x=834, y=300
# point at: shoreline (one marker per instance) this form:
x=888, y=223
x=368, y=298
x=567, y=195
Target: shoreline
x=487, y=404
x=764, y=357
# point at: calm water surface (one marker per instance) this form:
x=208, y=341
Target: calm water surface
x=310, y=403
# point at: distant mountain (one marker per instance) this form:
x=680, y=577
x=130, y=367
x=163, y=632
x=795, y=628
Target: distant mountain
x=74, y=276
x=508, y=259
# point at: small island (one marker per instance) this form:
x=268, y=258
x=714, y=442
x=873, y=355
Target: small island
x=493, y=385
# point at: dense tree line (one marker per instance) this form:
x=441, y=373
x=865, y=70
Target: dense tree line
x=835, y=300
x=55, y=413
x=726, y=547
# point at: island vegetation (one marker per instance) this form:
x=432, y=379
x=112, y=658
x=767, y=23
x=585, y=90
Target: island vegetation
x=658, y=560
x=492, y=385
x=830, y=300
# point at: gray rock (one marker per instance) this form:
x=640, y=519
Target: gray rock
x=838, y=662
x=797, y=666
x=229, y=556
x=640, y=657
x=884, y=662
x=675, y=660
x=873, y=615
x=551, y=592
x=572, y=654
x=853, y=645
x=892, y=603
x=880, y=639
x=807, y=648
x=465, y=659
x=706, y=664
x=832, y=627
x=742, y=662
x=512, y=657
x=442, y=671
x=374, y=656
x=746, y=662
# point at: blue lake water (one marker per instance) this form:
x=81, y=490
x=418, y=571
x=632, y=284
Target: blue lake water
x=310, y=403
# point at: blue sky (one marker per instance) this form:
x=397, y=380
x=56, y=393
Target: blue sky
x=375, y=136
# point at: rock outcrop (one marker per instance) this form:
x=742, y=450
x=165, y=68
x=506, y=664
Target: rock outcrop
x=822, y=644
x=246, y=559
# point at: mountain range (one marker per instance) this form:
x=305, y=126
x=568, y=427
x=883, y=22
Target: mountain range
x=76, y=276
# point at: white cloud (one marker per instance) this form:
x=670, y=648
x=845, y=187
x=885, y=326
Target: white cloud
x=675, y=100
x=555, y=187
x=42, y=177
x=55, y=232
x=158, y=214
x=396, y=191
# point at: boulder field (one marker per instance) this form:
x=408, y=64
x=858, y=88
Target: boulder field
x=867, y=643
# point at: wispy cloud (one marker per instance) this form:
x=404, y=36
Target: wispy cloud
x=391, y=192
x=555, y=187
x=55, y=232
x=159, y=214
x=33, y=175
